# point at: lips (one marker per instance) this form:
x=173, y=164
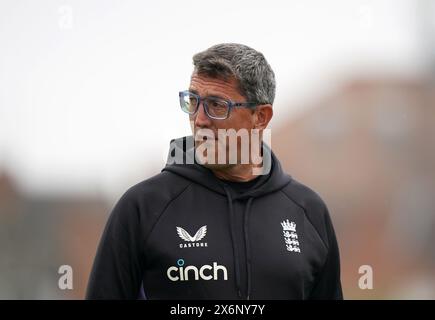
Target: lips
x=204, y=134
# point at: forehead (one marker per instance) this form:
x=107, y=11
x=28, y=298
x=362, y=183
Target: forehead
x=207, y=86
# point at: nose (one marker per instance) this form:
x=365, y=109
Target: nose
x=201, y=119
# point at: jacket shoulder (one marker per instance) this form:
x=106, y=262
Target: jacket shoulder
x=313, y=206
x=157, y=191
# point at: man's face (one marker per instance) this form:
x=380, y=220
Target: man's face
x=239, y=117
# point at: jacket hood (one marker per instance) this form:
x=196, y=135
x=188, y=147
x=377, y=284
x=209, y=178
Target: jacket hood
x=181, y=161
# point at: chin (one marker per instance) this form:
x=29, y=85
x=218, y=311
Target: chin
x=217, y=166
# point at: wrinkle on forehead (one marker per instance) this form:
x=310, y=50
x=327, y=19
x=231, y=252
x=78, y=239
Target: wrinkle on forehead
x=207, y=86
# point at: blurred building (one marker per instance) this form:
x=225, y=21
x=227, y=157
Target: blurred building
x=369, y=150
x=38, y=234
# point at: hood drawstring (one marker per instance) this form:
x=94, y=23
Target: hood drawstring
x=234, y=243
x=247, y=246
x=235, y=249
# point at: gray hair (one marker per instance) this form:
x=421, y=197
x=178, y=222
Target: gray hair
x=249, y=67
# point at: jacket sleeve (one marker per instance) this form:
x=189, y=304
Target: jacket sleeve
x=118, y=266
x=328, y=284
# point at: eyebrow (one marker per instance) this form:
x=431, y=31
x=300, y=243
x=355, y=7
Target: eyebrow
x=209, y=96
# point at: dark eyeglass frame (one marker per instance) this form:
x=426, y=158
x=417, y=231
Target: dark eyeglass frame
x=230, y=104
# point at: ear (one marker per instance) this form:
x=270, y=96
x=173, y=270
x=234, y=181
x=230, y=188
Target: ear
x=263, y=114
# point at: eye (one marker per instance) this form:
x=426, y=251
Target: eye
x=217, y=104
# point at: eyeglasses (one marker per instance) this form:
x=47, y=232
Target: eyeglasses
x=215, y=108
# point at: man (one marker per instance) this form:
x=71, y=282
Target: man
x=219, y=222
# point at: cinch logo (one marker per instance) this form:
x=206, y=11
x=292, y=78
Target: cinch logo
x=206, y=272
x=192, y=241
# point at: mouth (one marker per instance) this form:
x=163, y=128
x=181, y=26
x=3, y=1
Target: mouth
x=204, y=134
